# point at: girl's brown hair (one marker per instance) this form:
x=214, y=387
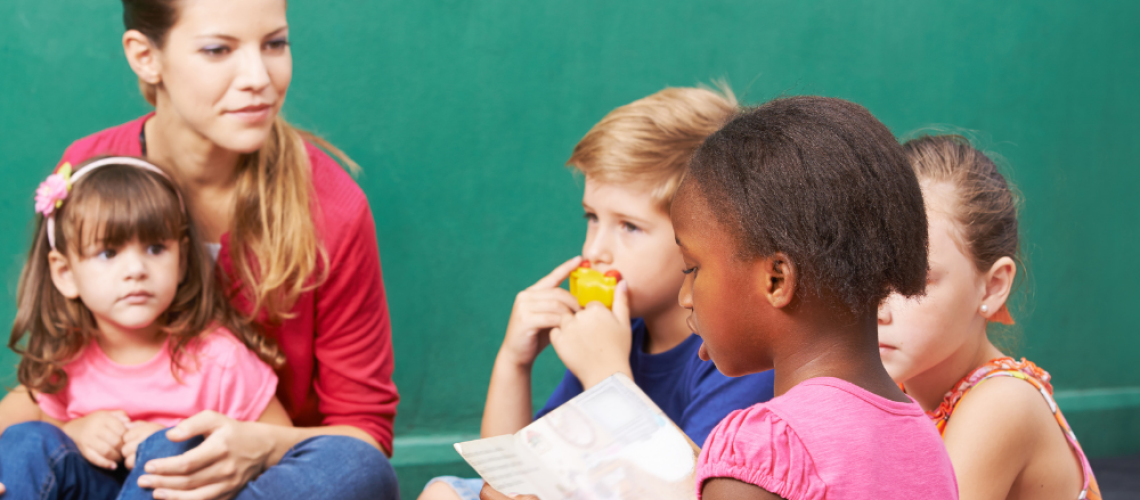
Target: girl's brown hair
x=274, y=245
x=110, y=207
x=985, y=208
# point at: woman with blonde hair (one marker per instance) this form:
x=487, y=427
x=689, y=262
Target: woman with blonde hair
x=294, y=243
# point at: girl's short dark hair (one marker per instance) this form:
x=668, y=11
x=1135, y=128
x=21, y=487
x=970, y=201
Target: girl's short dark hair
x=823, y=181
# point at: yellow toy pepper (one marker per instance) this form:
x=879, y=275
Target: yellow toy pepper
x=590, y=285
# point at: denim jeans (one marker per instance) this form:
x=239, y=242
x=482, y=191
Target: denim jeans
x=38, y=461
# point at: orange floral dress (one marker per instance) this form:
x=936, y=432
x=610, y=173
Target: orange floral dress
x=1029, y=372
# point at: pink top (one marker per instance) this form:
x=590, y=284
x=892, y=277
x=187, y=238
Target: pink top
x=218, y=374
x=338, y=342
x=828, y=438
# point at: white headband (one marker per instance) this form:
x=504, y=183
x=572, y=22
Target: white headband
x=55, y=189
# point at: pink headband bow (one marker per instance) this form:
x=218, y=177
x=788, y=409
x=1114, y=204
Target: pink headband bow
x=53, y=190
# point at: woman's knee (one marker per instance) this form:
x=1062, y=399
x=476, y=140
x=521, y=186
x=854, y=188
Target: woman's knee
x=361, y=468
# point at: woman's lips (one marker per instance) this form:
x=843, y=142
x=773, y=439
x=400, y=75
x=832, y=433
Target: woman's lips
x=885, y=348
x=252, y=114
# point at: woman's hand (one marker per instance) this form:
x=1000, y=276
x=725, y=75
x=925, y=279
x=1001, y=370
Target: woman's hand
x=595, y=342
x=137, y=432
x=233, y=454
x=489, y=493
x=537, y=310
x=99, y=436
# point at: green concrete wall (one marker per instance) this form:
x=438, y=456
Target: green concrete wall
x=462, y=114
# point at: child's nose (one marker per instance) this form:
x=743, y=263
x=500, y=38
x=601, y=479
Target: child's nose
x=135, y=266
x=597, y=249
x=885, y=313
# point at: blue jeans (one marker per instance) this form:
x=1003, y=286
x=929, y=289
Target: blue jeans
x=38, y=461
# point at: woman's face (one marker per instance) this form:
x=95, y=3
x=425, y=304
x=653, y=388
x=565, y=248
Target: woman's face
x=225, y=69
x=915, y=335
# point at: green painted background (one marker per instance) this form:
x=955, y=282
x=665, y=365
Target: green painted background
x=462, y=114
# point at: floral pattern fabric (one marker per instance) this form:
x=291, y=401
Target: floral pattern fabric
x=1029, y=372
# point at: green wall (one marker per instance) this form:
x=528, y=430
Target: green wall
x=462, y=114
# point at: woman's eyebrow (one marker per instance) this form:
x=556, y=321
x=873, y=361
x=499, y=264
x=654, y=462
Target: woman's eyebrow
x=232, y=38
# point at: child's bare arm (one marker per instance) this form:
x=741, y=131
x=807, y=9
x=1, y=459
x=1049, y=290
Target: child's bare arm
x=275, y=414
x=723, y=488
x=536, y=310
x=994, y=432
x=17, y=407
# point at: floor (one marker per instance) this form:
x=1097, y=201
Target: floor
x=1119, y=477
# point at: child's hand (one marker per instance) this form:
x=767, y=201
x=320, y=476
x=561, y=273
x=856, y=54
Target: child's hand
x=595, y=342
x=137, y=432
x=99, y=436
x=537, y=310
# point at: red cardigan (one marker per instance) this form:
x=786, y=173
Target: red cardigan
x=338, y=345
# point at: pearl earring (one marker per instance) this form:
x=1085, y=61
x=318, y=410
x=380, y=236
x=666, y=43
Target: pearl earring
x=985, y=309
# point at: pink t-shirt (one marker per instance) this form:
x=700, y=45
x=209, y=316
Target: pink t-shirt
x=828, y=438
x=219, y=373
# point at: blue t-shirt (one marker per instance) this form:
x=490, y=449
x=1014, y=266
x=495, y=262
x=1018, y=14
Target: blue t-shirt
x=691, y=392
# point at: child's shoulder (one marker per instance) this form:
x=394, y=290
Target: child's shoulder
x=221, y=347
x=758, y=446
x=1002, y=412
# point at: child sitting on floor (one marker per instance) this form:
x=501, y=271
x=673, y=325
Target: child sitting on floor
x=633, y=161
x=795, y=221
x=1007, y=438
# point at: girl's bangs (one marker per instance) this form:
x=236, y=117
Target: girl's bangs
x=118, y=204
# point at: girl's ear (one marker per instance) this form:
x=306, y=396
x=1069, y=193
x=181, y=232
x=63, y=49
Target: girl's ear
x=998, y=282
x=780, y=277
x=61, y=275
x=142, y=55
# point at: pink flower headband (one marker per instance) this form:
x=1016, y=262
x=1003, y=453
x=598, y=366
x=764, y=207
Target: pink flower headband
x=53, y=190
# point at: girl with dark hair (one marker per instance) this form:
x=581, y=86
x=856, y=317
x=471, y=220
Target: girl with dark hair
x=293, y=239
x=126, y=334
x=1003, y=429
x=795, y=220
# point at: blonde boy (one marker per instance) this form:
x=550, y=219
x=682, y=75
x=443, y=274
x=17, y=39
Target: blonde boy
x=633, y=160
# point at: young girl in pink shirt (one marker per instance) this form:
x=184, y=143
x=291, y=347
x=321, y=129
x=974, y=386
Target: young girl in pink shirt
x=1003, y=430
x=795, y=221
x=122, y=331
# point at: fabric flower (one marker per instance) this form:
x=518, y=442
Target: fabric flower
x=53, y=190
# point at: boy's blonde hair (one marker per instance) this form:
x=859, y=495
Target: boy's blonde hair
x=651, y=140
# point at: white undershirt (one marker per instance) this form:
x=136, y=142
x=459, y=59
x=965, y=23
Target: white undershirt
x=214, y=249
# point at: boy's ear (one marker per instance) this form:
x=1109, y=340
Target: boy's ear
x=780, y=277
x=142, y=55
x=61, y=275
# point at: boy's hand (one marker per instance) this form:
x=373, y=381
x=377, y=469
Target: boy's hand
x=537, y=310
x=137, y=432
x=99, y=436
x=595, y=342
